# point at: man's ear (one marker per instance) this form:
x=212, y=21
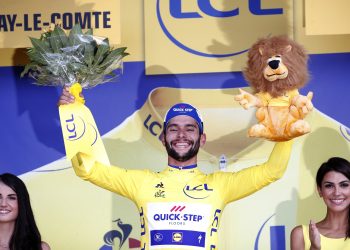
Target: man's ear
x=162, y=138
x=203, y=139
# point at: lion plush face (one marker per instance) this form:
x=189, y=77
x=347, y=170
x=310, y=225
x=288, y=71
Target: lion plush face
x=275, y=69
x=276, y=65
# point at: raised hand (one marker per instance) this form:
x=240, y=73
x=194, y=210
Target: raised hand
x=70, y=95
x=247, y=100
x=66, y=97
x=314, y=236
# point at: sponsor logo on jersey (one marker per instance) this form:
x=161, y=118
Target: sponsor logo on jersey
x=200, y=191
x=177, y=237
x=158, y=237
x=167, y=238
x=179, y=224
x=182, y=109
x=176, y=215
x=177, y=208
x=159, y=193
x=160, y=185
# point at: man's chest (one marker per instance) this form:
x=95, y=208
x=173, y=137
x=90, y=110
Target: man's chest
x=186, y=189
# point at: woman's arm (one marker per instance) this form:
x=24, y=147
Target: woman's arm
x=297, y=239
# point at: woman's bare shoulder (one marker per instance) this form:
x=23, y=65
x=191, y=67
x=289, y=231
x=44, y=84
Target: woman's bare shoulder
x=45, y=246
x=297, y=238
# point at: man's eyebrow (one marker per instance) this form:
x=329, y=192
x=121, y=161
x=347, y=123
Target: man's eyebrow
x=172, y=125
x=186, y=125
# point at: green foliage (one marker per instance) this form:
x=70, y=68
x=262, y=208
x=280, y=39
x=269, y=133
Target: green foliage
x=60, y=59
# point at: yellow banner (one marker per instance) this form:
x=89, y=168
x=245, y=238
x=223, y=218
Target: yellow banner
x=22, y=19
x=327, y=17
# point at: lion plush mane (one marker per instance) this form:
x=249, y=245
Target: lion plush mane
x=293, y=56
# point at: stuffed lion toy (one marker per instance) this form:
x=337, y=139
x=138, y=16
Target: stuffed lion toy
x=276, y=69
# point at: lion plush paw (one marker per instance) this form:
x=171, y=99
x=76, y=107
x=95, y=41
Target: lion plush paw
x=258, y=130
x=299, y=127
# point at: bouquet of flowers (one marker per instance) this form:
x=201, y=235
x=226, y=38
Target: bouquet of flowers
x=77, y=60
x=58, y=59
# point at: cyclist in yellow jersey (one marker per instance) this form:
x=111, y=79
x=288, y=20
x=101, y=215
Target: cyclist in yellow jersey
x=180, y=207
x=333, y=232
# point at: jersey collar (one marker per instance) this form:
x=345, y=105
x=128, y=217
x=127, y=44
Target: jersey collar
x=183, y=167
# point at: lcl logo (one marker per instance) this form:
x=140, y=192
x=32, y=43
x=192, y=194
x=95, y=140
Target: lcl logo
x=173, y=14
x=200, y=191
x=208, y=9
x=76, y=128
x=72, y=127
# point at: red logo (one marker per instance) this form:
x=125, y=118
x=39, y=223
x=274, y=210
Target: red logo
x=177, y=208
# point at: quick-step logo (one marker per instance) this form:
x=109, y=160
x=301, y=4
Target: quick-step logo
x=177, y=216
x=178, y=223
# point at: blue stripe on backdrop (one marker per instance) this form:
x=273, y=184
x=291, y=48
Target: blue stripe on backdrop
x=30, y=132
x=277, y=238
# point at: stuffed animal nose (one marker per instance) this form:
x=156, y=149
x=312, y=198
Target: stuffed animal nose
x=274, y=64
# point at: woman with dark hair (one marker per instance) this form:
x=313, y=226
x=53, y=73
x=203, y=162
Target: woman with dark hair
x=333, y=232
x=18, y=230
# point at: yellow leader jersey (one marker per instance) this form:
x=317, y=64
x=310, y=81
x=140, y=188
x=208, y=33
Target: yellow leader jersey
x=181, y=208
